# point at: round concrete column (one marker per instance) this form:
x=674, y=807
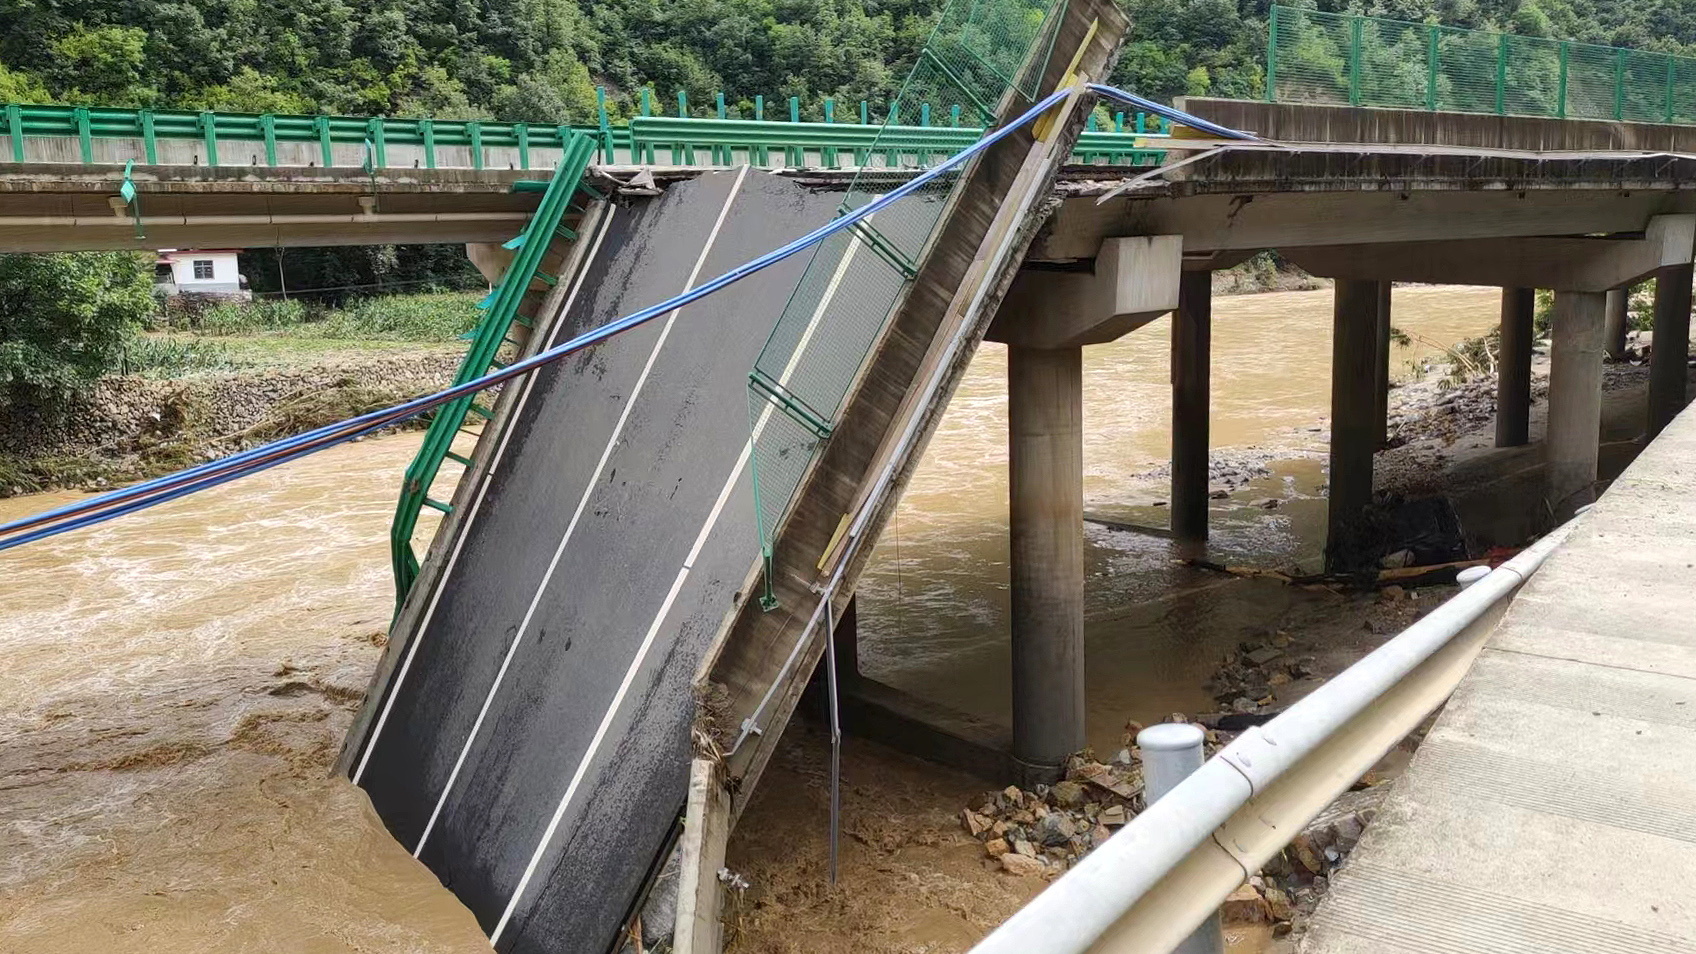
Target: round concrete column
x=1575, y=401
x=1192, y=337
x=1669, y=371
x=1354, y=424
x=1513, y=369
x=1046, y=519
x=1615, y=325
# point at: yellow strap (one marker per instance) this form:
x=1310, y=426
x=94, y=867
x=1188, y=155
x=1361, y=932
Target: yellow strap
x=1045, y=126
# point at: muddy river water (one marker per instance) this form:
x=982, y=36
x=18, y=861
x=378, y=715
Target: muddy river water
x=174, y=678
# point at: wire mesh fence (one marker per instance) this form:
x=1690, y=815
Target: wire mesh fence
x=1337, y=58
x=982, y=52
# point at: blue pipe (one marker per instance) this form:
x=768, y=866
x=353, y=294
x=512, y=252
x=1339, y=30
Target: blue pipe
x=146, y=494
x=1176, y=115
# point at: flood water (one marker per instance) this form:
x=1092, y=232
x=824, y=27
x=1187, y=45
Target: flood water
x=934, y=602
x=178, y=681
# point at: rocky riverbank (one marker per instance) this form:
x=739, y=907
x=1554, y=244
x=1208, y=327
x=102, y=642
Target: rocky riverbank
x=131, y=427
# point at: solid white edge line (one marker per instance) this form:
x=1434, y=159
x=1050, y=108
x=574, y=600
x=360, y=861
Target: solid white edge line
x=571, y=528
x=671, y=597
x=476, y=506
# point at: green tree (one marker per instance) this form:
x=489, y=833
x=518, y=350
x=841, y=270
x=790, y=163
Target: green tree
x=107, y=63
x=64, y=321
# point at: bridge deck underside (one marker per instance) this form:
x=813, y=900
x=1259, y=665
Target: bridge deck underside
x=1550, y=809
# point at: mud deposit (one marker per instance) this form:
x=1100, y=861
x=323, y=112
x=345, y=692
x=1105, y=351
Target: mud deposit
x=176, y=686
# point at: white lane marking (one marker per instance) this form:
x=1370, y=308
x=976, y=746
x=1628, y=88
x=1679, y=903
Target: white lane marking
x=571, y=528
x=476, y=505
x=665, y=607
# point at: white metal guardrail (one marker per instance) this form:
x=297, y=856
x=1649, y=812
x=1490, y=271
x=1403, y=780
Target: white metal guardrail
x=1159, y=877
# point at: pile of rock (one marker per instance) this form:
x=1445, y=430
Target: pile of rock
x=1248, y=678
x=1045, y=830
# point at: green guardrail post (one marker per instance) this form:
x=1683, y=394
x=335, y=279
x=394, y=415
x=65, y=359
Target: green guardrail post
x=85, y=136
x=1501, y=74
x=379, y=146
x=1619, y=85
x=427, y=132
x=759, y=154
x=1671, y=63
x=326, y=149
x=15, y=130
x=608, y=150
x=149, y=139
x=1560, y=85
x=1431, y=68
x=1272, y=55
x=268, y=128
x=474, y=132
x=795, y=156
x=1355, y=24
x=209, y=130
x=521, y=132
x=677, y=148
x=865, y=113
x=827, y=152
x=954, y=115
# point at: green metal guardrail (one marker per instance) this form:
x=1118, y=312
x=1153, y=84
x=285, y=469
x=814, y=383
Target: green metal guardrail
x=686, y=139
x=1315, y=57
x=503, y=311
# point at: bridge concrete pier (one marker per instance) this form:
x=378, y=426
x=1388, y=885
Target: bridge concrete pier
x=1046, y=522
x=1669, y=361
x=1381, y=396
x=1616, y=322
x=1192, y=346
x=1575, y=401
x=1046, y=320
x=1513, y=368
x=1354, y=424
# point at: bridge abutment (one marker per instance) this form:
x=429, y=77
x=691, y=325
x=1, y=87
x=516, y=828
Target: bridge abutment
x=1575, y=401
x=1513, y=368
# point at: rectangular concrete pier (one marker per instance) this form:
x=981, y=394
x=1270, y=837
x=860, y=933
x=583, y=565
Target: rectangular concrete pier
x=1553, y=808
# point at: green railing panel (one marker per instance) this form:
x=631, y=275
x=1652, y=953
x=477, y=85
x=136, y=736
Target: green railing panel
x=981, y=53
x=960, y=71
x=1343, y=59
x=503, y=310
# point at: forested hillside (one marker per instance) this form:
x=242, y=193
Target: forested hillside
x=540, y=60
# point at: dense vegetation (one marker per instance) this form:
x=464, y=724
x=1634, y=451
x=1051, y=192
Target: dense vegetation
x=540, y=60
x=65, y=320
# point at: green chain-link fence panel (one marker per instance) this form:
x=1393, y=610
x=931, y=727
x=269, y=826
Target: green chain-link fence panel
x=1336, y=58
x=980, y=52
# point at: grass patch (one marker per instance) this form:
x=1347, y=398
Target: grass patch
x=437, y=317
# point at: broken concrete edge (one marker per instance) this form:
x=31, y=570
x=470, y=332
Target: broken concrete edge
x=1013, y=229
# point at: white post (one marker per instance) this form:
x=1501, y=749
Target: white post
x=1171, y=751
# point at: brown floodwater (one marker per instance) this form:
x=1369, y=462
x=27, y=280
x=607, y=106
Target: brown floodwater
x=934, y=601
x=177, y=682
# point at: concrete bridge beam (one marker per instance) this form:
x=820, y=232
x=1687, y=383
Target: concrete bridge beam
x=1575, y=401
x=1130, y=282
x=1587, y=264
x=1354, y=428
x=1513, y=368
x=1669, y=362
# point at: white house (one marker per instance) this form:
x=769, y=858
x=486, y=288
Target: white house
x=205, y=271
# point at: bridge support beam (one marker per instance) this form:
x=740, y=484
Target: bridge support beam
x=1513, y=369
x=1616, y=321
x=1192, y=346
x=1669, y=372
x=1381, y=398
x=1354, y=384
x=1046, y=519
x=1575, y=401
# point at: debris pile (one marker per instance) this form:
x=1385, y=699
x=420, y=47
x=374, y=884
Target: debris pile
x=1043, y=831
x=1247, y=680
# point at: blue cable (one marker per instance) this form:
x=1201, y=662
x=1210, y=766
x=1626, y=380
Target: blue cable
x=1176, y=115
x=181, y=483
